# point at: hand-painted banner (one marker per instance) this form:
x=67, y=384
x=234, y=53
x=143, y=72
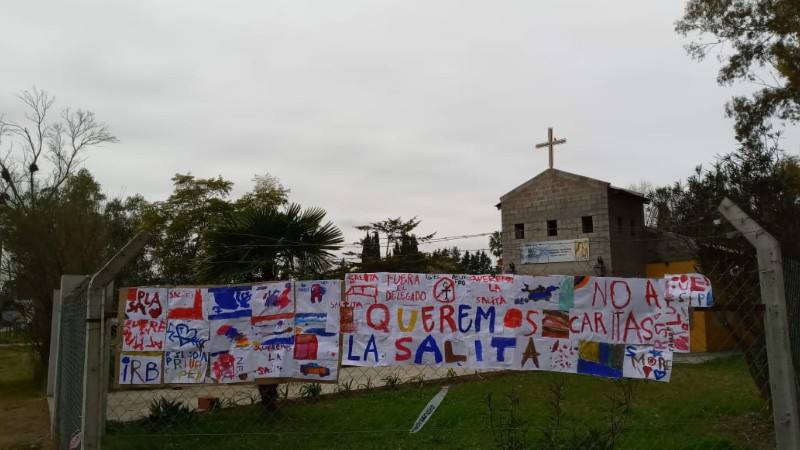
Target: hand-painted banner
x=604, y=326
x=557, y=323
x=231, y=334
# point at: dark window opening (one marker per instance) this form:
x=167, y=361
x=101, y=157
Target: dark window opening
x=633, y=227
x=619, y=224
x=588, y=224
x=519, y=231
x=552, y=228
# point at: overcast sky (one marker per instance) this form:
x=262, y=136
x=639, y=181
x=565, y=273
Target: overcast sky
x=374, y=109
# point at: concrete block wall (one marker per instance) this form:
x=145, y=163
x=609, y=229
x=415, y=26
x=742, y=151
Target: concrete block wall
x=629, y=242
x=566, y=198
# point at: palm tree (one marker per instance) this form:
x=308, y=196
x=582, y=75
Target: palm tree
x=496, y=244
x=262, y=244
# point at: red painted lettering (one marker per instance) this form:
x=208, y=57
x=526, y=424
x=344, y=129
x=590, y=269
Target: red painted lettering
x=617, y=294
x=406, y=353
x=651, y=295
x=427, y=319
x=383, y=325
x=534, y=327
x=446, y=315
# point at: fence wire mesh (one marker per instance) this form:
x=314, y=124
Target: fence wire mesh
x=791, y=278
x=71, y=358
x=718, y=397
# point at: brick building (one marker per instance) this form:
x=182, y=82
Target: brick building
x=566, y=224
x=562, y=223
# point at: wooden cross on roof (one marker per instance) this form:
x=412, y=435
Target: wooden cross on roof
x=550, y=143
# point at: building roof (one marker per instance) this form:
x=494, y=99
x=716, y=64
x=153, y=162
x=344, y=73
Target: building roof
x=572, y=177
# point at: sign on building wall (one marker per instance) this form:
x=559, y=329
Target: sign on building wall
x=610, y=327
x=555, y=251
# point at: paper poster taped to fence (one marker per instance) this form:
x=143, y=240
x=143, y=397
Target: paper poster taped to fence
x=143, y=335
x=146, y=304
x=140, y=368
x=689, y=290
x=647, y=363
x=232, y=366
x=185, y=367
x=187, y=335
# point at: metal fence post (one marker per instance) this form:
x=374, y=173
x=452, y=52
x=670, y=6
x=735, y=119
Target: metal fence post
x=52, y=363
x=781, y=369
x=95, y=372
x=68, y=284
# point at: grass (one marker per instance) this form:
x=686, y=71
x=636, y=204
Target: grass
x=713, y=405
x=24, y=417
x=11, y=334
x=17, y=374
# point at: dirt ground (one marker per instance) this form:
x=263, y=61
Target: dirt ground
x=24, y=416
x=25, y=424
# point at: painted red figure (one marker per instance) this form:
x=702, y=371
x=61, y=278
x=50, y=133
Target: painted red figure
x=223, y=367
x=317, y=291
x=284, y=300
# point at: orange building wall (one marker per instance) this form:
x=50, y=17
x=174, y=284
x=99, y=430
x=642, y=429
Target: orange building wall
x=705, y=334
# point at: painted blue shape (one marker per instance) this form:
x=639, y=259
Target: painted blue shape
x=605, y=353
x=463, y=313
x=489, y=315
x=305, y=318
x=279, y=341
x=318, y=332
x=350, y=354
x=230, y=302
x=428, y=345
x=372, y=347
x=598, y=369
x=501, y=343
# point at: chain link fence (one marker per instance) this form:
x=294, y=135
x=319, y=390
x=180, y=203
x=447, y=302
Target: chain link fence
x=791, y=276
x=71, y=359
x=718, y=397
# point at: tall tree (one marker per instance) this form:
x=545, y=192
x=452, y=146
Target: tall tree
x=399, y=235
x=49, y=209
x=758, y=41
x=261, y=244
x=370, y=248
x=763, y=181
x=267, y=192
x=496, y=244
x=395, y=229
x=124, y=218
x=178, y=224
